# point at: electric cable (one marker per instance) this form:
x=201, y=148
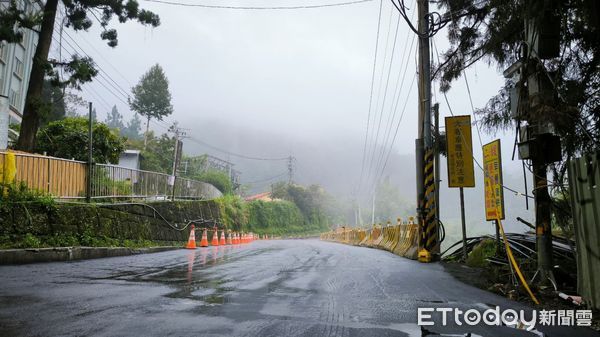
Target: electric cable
x=174, y=3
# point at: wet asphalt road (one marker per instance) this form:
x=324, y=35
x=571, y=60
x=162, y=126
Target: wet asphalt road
x=266, y=288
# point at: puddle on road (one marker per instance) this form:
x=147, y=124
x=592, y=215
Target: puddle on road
x=195, y=277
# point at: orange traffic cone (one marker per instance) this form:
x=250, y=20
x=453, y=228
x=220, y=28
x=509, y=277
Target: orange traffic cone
x=215, y=239
x=192, y=239
x=229, y=241
x=222, y=240
x=237, y=238
x=204, y=241
x=244, y=239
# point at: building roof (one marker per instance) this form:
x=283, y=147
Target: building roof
x=266, y=196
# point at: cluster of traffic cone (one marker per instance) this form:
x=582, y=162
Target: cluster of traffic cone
x=231, y=238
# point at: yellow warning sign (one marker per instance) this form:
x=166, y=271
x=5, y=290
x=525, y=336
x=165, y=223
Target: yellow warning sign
x=460, y=152
x=492, y=169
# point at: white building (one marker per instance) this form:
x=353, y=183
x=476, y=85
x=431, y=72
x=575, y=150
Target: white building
x=130, y=159
x=15, y=67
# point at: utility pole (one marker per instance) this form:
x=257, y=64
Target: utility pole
x=373, y=211
x=176, y=157
x=359, y=215
x=543, y=36
x=426, y=202
x=290, y=169
x=436, y=146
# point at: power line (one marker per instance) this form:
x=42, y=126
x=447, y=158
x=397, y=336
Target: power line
x=97, y=79
x=477, y=127
x=396, y=132
x=236, y=154
x=174, y=3
x=362, y=166
x=373, y=146
x=267, y=179
x=385, y=91
x=396, y=98
x=101, y=56
x=85, y=86
x=101, y=71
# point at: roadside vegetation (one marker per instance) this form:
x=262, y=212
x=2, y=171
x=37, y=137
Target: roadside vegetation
x=295, y=211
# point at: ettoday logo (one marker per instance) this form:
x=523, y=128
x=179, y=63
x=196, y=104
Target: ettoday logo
x=509, y=317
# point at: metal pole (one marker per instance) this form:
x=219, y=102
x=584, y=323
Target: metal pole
x=175, y=165
x=425, y=68
x=436, y=118
x=88, y=194
x=373, y=210
x=424, y=141
x=498, y=244
x=464, y=225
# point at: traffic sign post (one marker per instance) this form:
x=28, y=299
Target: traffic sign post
x=494, y=194
x=460, y=163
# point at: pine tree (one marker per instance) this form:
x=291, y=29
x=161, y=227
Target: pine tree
x=114, y=119
x=78, y=16
x=133, y=128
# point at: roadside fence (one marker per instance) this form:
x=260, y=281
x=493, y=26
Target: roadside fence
x=68, y=179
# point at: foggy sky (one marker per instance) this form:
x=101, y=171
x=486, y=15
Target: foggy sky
x=289, y=82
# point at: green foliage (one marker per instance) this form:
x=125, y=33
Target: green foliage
x=56, y=103
x=68, y=138
x=493, y=30
x=151, y=96
x=104, y=184
x=478, y=255
x=218, y=179
x=30, y=241
x=78, y=15
x=14, y=21
x=158, y=155
x=316, y=205
x=233, y=212
x=279, y=218
x=62, y=240
x=68, y=240
x=14, y=194
x=195, y=165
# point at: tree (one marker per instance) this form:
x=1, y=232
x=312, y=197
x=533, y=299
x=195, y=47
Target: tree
x=193, y=165
x=78, y=16
x=133, y=128
x=114, y=119
x=151, y=96
x=313, y=201
x=94, y=115
x=218, y=179
x=68, y=138
x=57, y=108
x=158, y=155
x=557, y=84
x=493, y=31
